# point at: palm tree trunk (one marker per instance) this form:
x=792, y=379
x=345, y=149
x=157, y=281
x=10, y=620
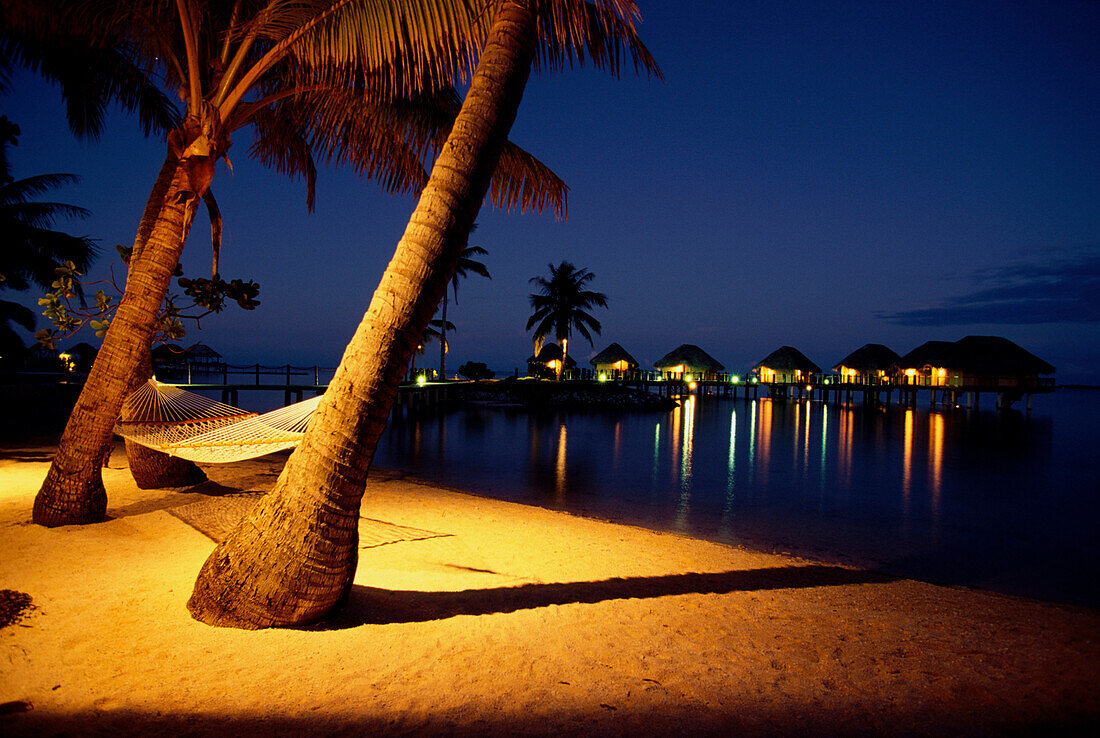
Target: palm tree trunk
x=73, y=490
x=564, y=348
x=293, y=557
x=443, y=342
x=150, y=468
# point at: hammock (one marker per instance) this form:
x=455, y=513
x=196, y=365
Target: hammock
x=180, y=423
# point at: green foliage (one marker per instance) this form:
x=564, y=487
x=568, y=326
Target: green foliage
x=205, y=296
x=475, y=370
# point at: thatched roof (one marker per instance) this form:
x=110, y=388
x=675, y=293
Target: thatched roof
x=203, y=351
x=787, y=359
x=923, y=354
x=869, y=358
x=550, y=352
x=692, y=357
x=611, y=355
x=990, y=355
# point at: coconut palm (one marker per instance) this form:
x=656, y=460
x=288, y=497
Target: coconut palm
x=30, y=250
x=317, y=77
x=292, y=558
x=466, y=264
x=561, y=306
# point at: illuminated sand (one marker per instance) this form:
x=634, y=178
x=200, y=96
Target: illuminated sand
x=512, y=619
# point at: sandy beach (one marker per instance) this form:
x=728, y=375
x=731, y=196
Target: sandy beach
x=476, y=617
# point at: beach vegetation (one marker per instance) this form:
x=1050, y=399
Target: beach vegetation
x=350, y=82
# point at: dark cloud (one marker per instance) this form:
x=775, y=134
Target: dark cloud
x=1056, y=291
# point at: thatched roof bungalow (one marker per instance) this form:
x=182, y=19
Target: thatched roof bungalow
x=547, y=361
x=614, y=358
x=169, y=355
x=200, y=353
x=974, y=360
x=688, y=359
x=786, y=365
x=869, y=363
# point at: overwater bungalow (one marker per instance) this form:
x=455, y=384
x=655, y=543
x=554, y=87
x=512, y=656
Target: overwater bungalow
x=545, y=364
x=202, y=355
x=689, y=359
x=786, y=365
x=869, y=364
x=982, y=361
x=614, y=360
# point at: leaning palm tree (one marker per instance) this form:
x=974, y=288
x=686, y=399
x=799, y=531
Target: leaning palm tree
x=292, y=559
x=561, y=305
x=466, y=264
x=354, y=81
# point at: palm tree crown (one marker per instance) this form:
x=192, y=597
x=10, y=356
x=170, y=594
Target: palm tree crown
x=562, y=304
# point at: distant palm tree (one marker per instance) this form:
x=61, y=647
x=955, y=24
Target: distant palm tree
x=561, y=305
x=435, y=329
x=29, y=249
x=465, y=266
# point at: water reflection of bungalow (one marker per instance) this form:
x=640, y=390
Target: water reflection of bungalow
x=869, y=364
x=786, y=365
x=545, y=364
x=689, y=359
x=982, y=361
x=614, y=359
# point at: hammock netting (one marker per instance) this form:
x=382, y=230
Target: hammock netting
x=181, y=423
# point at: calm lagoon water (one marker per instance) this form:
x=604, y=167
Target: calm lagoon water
x=1005, y=501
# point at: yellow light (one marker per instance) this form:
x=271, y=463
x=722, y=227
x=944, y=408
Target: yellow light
x=553, y=364
x=809, y=388
x=735, y=379
x=910, y=372
x=941, y=372
x=603, y=377
x=691, y=386
x=688, y=378
x=421, y=380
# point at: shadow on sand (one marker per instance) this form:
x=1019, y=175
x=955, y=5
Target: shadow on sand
x=369, y=605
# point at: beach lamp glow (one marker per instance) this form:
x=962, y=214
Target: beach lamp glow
x=735, y=379
x=691, y=386
x=421, y=380
x=603, y=377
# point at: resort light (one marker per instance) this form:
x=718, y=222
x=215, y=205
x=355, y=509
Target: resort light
x=691, y=386
x=735, y=379
x=603, y=377
x=421, y=380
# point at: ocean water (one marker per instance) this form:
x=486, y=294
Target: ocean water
x=1006, y=501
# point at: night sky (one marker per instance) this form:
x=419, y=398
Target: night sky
x=816, y=174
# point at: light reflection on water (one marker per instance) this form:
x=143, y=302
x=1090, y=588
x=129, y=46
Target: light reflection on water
x=1004, y=501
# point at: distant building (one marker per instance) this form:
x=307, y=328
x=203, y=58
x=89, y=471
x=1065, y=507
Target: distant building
x=689, y=359
x=986, y=361
x=614, y=359
x=545, y=364
x=871, y=363
x=202, y=355
x=786, y=365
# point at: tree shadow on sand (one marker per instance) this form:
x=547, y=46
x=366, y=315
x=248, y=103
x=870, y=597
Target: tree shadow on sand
x=374, y=606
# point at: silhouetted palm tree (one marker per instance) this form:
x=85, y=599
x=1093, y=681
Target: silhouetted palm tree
x=30, y=249
x=466, y=264
x=561, y=306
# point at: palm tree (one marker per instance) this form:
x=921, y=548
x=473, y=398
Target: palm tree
x=466, y=264
x=435, y=329
x=561, y=305
x=313, y=77
x=29, y=249
x=292, y=558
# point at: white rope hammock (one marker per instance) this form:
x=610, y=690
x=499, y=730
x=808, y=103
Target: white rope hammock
x=181, y=423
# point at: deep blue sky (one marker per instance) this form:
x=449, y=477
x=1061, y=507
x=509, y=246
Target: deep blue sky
x=818, y=174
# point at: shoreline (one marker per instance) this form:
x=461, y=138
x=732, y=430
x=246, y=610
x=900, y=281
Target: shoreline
x=511, y=618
